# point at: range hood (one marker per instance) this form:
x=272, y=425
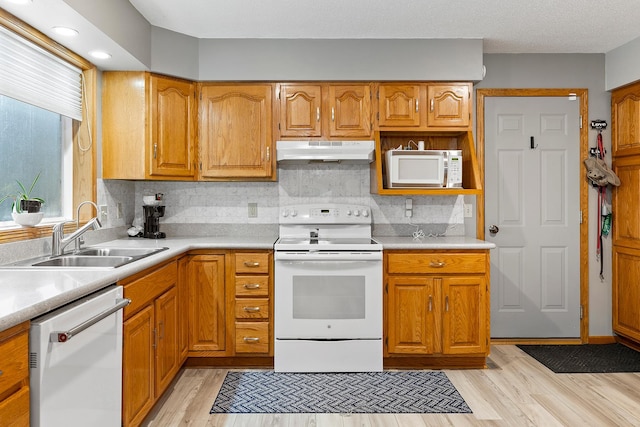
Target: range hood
x=324, y=151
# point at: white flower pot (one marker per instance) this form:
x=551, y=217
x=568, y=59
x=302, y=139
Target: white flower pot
x=26, y=219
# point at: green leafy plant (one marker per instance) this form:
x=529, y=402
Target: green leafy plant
x=22, y=194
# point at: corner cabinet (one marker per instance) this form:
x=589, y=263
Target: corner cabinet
x=329, y=111
x=437, y=308
x=625, y=110
x=236, y=139
x=148, y=127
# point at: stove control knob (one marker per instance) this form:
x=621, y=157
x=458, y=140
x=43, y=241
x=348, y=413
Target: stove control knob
x=365, y=212
x=348, y=212
x=356, y=212
x=285, y=213
x=294, y=213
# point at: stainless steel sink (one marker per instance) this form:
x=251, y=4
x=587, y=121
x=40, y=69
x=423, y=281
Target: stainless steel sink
x=85, y=261
x=117, y=252
x=91, y=257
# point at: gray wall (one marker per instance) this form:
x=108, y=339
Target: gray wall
x=568, y=71
x=623, y=64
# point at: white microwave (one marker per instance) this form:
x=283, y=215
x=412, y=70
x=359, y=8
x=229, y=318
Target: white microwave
x=424, y=168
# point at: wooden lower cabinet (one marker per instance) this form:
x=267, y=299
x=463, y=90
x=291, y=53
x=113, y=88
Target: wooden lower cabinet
x=626, y=292
x=437, y=304
x=151, y=353
x=14, y=376
x=206, y=288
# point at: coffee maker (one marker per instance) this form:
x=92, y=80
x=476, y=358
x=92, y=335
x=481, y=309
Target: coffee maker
x=152, y=216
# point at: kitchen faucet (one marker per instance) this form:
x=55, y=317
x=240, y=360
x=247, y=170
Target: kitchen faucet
x=80, y=239
x=59, y=242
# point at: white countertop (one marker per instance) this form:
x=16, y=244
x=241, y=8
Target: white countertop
x=454, y=242
x=26, y=293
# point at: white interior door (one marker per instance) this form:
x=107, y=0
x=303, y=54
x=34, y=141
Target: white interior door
x=532, y=196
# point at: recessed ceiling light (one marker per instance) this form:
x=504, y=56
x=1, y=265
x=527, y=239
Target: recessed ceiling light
x=100, y=54
x=65, y=31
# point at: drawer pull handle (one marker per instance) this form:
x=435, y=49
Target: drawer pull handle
x=437, y=264
x=251, y=340
x=446, y=303
x=252, y=285
x=1, y=372
x=430, y=303
x=251, y=264
x=251, y=309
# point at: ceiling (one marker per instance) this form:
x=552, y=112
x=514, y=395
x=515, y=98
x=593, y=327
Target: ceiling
x=506, y=26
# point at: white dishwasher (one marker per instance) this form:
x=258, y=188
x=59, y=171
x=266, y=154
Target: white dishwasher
x=75, y=358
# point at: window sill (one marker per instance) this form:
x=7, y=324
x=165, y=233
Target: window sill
x=12, y=232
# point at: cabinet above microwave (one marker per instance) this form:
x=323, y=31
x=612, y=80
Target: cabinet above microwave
x=440, y=141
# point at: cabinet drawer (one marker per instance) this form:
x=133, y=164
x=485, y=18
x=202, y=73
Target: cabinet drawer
x=14, y=361
x=251, y=308
x=437, y=263
x=149, y=287
x=252, y=286
x=252, y=263
x=14, y=410
x=252, y=337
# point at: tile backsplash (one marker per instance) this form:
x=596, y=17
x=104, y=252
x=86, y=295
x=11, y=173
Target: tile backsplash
x=227, y=202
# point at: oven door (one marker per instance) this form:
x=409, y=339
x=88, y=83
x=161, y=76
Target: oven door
x=328, y=295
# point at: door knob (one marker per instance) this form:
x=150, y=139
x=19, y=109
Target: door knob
x=493, y=229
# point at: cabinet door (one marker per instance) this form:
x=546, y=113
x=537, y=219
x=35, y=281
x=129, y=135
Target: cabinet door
x=625, y=118
x=236, y=131
x=137, y=366
x=350, y=111
x=167, y=351
x=411, y=319
x=399, y=105
x=300, y=110
x=464, y=315
x=206, y=303
x=173, y=127
x=449, y=105
x=626, y=202
x=626, y=292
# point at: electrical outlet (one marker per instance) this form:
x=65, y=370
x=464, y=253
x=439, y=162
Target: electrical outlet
x=253, y=210
x=468, y=210
x=118, y=210
x=408, y=208
x=103, y=213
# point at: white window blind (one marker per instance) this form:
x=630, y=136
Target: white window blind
x=30, y=74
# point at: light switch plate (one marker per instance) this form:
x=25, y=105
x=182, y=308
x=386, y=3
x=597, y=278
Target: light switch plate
x=468, y=210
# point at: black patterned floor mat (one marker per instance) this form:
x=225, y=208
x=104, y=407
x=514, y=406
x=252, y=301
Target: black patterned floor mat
x=370, y=392
x=589, y=358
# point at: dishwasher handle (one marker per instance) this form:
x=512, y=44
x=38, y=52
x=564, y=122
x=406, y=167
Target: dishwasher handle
x=64, y=336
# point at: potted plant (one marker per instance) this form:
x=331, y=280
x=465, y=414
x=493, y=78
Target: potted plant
x=25, y=208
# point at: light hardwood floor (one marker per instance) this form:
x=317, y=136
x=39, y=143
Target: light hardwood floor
x=515, y=390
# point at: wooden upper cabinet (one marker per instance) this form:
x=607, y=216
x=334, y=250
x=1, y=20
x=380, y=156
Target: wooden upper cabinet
x=350, y=111
x=148, y=126
x=424, y=106
x=236, y=139
x=449, y=105
x=327, y=111
x=300, y=110
x=173, y=127
x=400, y=105
x=625, y=118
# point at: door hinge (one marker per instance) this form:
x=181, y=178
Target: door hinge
x=581, y=312
x=580, y=216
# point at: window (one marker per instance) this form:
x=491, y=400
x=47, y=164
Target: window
x=35, y=141
x=47, y=118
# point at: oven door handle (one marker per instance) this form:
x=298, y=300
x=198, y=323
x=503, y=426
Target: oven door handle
x=328, y=256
